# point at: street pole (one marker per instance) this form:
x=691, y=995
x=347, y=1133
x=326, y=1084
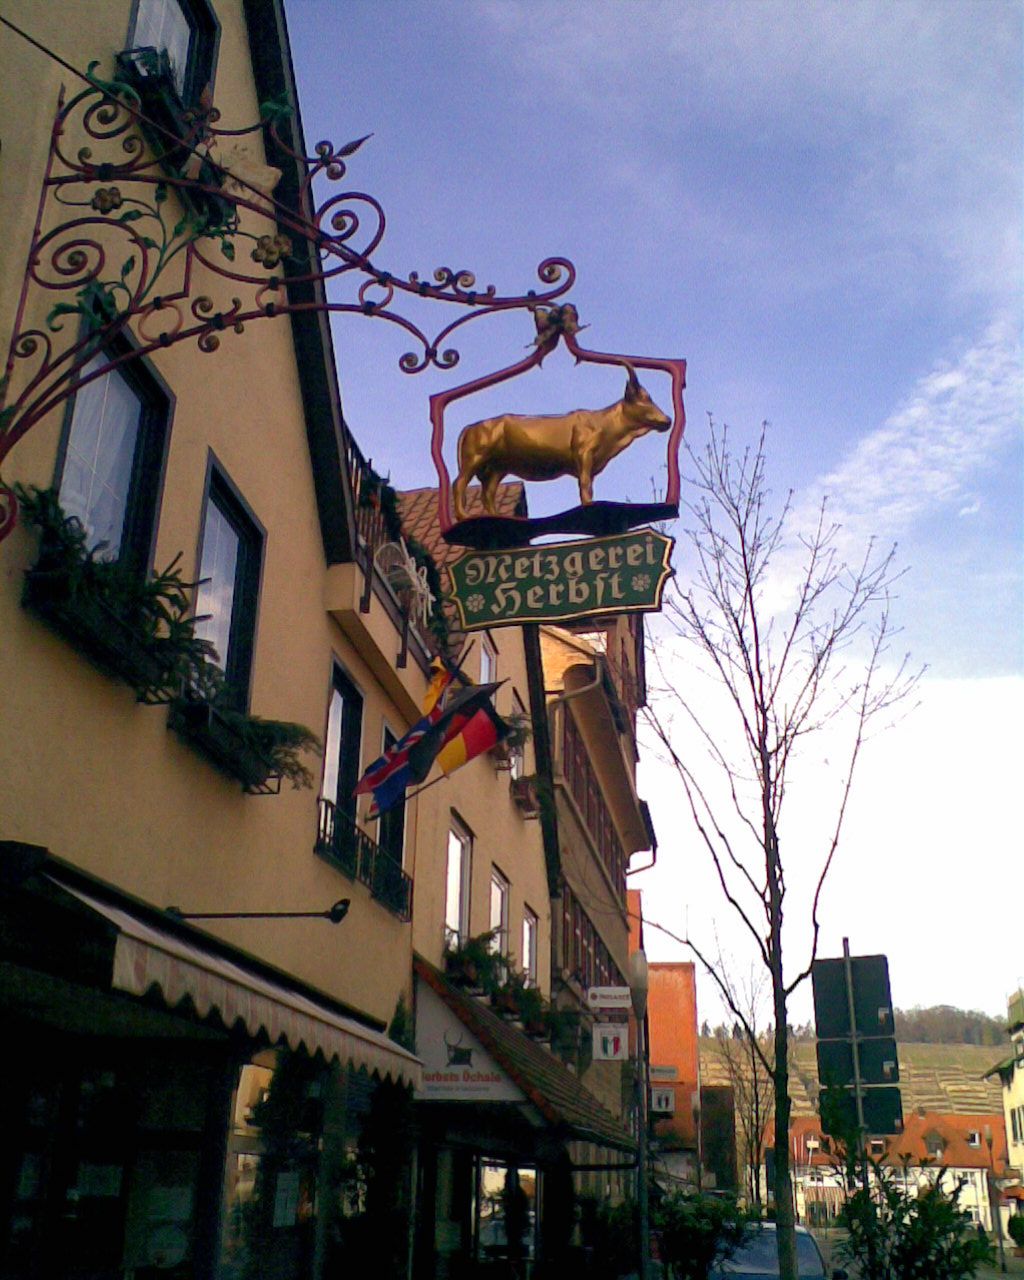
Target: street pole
x=638, y=988
x=858, y=1090
x=993, y=1203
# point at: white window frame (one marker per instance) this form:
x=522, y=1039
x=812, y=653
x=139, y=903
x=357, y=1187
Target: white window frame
x=531, y=930
x=488, y=661
x=500, y=893
x=457, y=882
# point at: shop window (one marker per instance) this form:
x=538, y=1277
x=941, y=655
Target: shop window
x=505, y=1226
x=230, y=563
x=530, y=929
x=184, y=34
x=318, y=1172
x=499, y=912
x=460, y=856
x=111, y=460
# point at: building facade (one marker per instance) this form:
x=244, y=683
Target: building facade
x=192, y=1096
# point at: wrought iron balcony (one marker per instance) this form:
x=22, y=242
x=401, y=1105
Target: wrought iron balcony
x=363, y=859
x=377, y=524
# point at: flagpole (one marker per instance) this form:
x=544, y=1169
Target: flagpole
x=410, y=795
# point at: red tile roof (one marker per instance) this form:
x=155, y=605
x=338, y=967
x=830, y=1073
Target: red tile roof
x=418, y=509
x=922, y=1134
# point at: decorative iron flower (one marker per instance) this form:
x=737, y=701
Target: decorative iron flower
x=107, y=199
x=271, y=249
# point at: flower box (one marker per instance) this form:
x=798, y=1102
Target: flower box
x=525, y=797
x=95, y=629
x=207, y=729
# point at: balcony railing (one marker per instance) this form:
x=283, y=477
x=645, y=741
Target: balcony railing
x=362, y=858
x=377, y=523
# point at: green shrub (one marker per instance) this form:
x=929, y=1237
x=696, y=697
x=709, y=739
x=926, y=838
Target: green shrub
x=698, y=1232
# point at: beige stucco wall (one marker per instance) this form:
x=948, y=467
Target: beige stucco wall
x=86, y=771
x=480, y=796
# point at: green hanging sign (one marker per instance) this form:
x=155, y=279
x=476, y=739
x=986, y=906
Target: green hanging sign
x=561, y=581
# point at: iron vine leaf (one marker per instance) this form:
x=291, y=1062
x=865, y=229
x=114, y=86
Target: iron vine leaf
x=350, y=148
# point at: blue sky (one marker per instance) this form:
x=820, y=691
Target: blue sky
x=819, y=206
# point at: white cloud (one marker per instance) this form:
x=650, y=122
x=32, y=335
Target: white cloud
x=951, y=428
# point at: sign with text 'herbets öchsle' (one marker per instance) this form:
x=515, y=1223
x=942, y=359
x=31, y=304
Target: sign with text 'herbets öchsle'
x=561, y=581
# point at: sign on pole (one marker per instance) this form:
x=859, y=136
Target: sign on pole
x=619, y=998
x=664, y=1074
x=611, y=1042
x=560, y=581
x=856, y=1047
x=663, y=1100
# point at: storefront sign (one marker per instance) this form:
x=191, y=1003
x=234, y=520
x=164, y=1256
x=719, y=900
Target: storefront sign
x=609, y=998
x=456, y=1067
x=562, y=580
x=663, y=1100
x=611, y=1042
x=664, y=1074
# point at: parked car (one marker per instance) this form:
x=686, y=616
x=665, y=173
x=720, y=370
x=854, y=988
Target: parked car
x=757, y=1257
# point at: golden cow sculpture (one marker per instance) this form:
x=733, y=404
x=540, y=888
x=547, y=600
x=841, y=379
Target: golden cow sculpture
x=580, y=444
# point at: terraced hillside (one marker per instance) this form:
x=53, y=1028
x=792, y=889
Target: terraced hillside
x=937, y=1077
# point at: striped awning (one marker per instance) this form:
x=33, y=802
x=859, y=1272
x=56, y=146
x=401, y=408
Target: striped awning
x=146, y=956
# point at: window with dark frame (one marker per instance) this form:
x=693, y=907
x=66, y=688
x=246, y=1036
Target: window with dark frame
x=342, y=744
x=230, y=563
x=111, y=460
x=186, y=32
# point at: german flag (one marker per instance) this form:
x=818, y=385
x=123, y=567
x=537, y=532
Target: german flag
x=483, y=731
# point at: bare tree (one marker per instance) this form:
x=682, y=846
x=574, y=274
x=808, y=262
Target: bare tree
x=796, y=644
x=752, y=1086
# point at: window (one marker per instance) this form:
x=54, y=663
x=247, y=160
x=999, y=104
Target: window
x=111, y=462
x=391, y=831
x=974, y=1138
x=530, y=945
x=876, y=1147
x=456, y=911
x=186, y=31
x=342, y=744
x=229, y=578
x=499, y=912
x=488, y=661
x=518, y=767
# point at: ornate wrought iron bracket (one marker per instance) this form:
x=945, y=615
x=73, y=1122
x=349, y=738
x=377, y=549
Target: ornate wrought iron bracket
x=140, y=222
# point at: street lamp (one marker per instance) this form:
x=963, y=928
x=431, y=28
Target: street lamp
x=638, y=986
x=990, y=1177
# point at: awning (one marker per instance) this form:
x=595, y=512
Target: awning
x=146, y=956
x=537, y=1075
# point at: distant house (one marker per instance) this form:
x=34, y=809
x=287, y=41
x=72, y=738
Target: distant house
x=965, y=1149
x=1010, y=1072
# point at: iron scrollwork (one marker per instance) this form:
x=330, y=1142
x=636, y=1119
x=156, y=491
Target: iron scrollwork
x=137, y=224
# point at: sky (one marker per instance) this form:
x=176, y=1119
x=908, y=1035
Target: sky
x=819, y=207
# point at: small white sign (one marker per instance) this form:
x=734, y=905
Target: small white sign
x=611, y=1042
x=663, y=1101
x=609, y=998
x=663, y=1074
